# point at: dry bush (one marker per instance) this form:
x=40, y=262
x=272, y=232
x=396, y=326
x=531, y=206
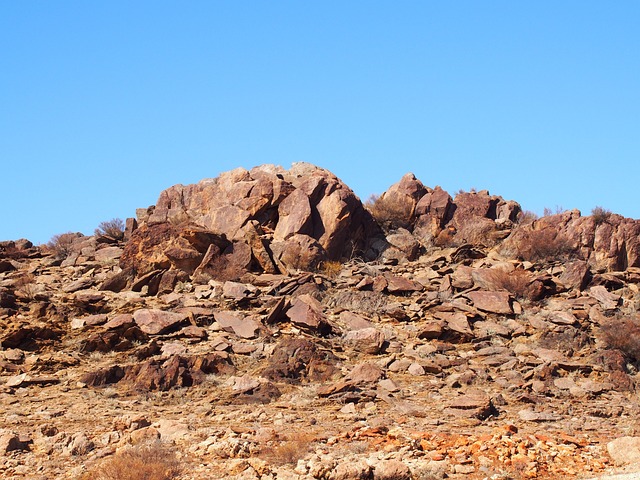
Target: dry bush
x=600, y=215
x=61, y=245
x=330, y=268
x=526, y=216
x=293, y=448
x=113, y=228
x=623, y=333
x=547, y=212
x=146, y=462
x=388, y=214
x=26, y=287
x=517, y=282
x=546, y=244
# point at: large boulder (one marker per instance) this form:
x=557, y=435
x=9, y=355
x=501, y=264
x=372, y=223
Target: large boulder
x=396, y=208
x=267, y=216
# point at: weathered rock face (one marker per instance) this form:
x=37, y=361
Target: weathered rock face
x=433, y=217
x=264, y=219
x=612, y=244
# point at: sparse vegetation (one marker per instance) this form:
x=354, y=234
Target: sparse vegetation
x=623, y=333
x=294, y=447
x=26, y=287
x=113, y=229
x=527, y=216
x=147, y=462
x=517, y=282
x=61, y=245
x=600, y=215
x=331, y=268
x=548, y=212
x=545, y=244
x=389, y=214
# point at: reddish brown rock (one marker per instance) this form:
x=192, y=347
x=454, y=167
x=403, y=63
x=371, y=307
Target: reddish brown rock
x=295, y=359
x=494, y=302
x=244, y=327
x=366, y=340
x=396, y=284
x=264, y=206
x=156, y=322
x=306, y=312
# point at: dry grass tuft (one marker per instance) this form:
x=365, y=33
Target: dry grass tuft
x=293, y=448
x=149, y=462
x=527, y=216
x=26, y=287
x=600, y=215
x=331, y=268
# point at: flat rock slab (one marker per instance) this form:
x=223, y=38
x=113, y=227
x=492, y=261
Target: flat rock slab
x=123, y=320
x=108, y=254
x=24, y=380
x=531, y=416
x=157, y=322
x=238, y=291
x=608, y=300
x=366, y=340
x=493, y=302
x=365, y=373
x=562, y=318
x=244, y=327
x=397, y=284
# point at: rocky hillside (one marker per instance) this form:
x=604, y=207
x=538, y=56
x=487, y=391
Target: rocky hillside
x=267, y=325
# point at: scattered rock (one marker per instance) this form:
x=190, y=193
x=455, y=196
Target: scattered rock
x=157, y=322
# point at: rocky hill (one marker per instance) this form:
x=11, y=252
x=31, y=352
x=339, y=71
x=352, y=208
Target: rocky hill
x=266, y=324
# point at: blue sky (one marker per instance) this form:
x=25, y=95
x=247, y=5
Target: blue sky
x=105, y=104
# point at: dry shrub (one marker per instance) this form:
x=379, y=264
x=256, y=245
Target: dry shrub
x=526, y=216
x=293, y=448
x=26, y=287
x=546, y=244
x=61, y=245
x=330, y=268
x=517, y=282
x=146, y=462
x=390, y=215
x=600, y=215
x=113, y=228
x=623, y=333
x=547, y=212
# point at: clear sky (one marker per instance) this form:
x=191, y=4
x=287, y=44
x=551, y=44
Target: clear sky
x=105, y=104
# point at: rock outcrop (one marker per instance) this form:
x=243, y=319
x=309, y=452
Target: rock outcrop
x=266, y=219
